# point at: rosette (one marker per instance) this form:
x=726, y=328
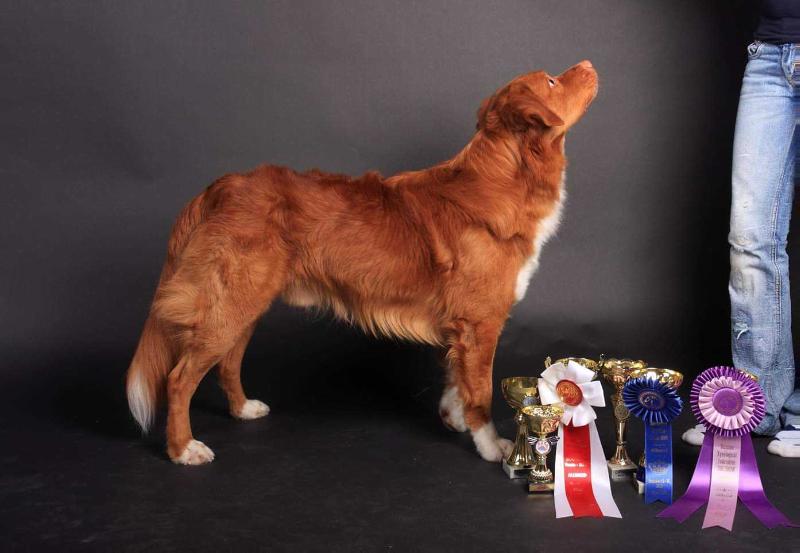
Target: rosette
x=574, y=388
x=731, y=404
x=727, y=402
x=657, y=405
x=582, y=487
x=651, y=400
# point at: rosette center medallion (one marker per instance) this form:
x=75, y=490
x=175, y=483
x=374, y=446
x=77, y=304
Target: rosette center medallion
x=569, y=392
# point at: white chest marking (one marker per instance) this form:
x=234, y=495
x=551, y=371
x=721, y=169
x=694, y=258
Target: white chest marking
x=546, y=229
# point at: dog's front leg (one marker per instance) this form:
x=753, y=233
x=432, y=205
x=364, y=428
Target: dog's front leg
x=467, y=401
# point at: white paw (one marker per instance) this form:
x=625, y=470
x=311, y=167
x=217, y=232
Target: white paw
x=252, y=409
x=451, y=410
x=490, y=446
x=784, y=448
x=195, y=453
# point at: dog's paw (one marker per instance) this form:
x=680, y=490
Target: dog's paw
x=451, y=410
x=252, y=409
x=195, y=453
x=497, y=451
x=490, y=446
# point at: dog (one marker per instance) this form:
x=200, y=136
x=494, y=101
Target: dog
x=437, y=256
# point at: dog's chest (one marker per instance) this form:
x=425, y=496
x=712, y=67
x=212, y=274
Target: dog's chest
x=545, y=230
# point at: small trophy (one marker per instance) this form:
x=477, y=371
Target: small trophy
x=520, y=392
x=671, y=378
x=617, y=372
x=542, y=420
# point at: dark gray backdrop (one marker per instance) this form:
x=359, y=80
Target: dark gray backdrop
x=114, y=114
x=117, y=113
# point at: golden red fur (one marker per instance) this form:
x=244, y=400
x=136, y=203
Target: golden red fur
x=431, y=256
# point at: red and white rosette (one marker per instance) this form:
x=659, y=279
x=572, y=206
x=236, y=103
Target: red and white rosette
x=582, y=487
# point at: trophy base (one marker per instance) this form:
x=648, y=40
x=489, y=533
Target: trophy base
x=621, y=472
x=638, y=485
x=515, y=472
x=541, y=488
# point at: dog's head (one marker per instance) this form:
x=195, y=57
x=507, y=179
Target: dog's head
x=540, y=102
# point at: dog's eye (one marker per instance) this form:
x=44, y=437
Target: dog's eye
x=551, y=82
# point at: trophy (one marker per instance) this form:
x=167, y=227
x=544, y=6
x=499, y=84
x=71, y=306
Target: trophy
x=520, y=392
x=542, y=420
x=671, y=378
x=617, y=372
x=590, y=364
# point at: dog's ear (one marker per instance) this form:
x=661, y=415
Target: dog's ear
x=517, y=108
x=534, y=111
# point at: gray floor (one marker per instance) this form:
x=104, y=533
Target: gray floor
x=356, y=462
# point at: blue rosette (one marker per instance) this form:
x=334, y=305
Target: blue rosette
x=657, y=404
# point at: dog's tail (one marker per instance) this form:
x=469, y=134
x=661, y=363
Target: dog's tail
x=148, y=373
x=156, y=353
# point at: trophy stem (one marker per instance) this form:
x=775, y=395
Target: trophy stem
x=540, y=470
x=620, y=463
x=520, y=460
x=540, y=479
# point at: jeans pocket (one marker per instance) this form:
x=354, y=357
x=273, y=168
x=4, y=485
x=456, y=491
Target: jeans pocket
x=754, y=49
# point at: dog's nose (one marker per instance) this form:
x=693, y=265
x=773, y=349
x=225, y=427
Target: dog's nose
x=586, y=63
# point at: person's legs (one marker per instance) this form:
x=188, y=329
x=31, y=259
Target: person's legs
x=790, y=417
x=791, y=414
x=762, y=192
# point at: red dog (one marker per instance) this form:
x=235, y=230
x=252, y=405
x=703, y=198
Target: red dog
x=437, y=256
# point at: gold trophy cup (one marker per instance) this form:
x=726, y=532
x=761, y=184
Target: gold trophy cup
x=520, y=392
x=671, y=378
x=542, y=420
x=586, y=362
x=617, y=372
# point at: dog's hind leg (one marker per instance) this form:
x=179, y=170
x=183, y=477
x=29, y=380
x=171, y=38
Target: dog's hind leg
x=182, y=382
x=229, y=371
x=471, y=354
x=221, y=337
x=224, y=282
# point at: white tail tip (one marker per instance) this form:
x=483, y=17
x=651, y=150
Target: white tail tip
x=140, y=402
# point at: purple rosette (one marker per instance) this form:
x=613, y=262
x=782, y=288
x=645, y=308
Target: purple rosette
x=730, y=404
x=727, y=401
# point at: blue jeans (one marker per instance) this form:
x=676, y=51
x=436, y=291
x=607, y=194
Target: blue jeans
x=764, y=150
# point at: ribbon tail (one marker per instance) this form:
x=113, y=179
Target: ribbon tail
x=578, y=472
x=751, y=490
x=658, y=470
x=600, y=482
x=559, y=492
x=697, y=493
x=721, y=508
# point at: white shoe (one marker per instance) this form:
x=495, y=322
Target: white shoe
x=784, y=448
x=786, y=444
x=694, y=436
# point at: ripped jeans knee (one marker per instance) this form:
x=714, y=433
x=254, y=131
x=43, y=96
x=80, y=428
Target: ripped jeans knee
x=739, y=329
